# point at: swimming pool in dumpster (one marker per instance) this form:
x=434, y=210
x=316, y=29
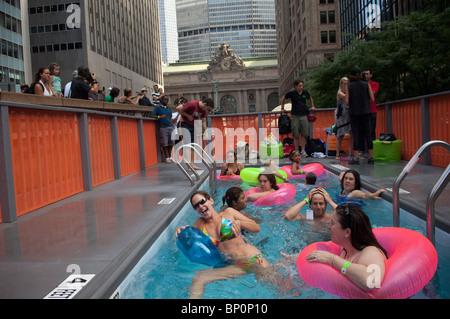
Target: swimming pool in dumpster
x=165, y=273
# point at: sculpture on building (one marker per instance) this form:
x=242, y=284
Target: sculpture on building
x=226, y=60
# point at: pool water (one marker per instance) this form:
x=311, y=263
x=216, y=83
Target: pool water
x=165, y=273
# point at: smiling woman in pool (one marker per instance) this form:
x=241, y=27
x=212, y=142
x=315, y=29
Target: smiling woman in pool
x=224, y=230
x=351, y=186
x=267, y=185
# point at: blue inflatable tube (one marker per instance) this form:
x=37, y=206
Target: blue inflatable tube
x=198, y=248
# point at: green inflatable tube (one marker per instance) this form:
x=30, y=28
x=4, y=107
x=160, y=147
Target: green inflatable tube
x=250, y=175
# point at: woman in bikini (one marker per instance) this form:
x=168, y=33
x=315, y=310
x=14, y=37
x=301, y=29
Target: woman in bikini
x=224, y=230
x=232, y=166
x=350, y=228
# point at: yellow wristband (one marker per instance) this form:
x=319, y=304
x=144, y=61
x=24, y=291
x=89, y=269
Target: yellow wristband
x=306, y=200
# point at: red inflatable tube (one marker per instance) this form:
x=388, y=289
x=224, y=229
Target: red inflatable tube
x=315, y=168
x=228, y=177
x=411, y=265
x=284, y=194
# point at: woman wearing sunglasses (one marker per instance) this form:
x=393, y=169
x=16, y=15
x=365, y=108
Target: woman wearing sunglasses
x=224, y=230
x=350, y=229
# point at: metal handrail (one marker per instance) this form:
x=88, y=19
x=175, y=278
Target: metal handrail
x=212, y=168
x=431, y=199
x=434, y=194
x=211, y=165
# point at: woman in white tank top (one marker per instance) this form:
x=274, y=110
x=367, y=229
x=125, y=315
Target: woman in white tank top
x=42, y=83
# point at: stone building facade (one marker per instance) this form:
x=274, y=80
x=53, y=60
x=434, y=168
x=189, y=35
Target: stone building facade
x=308, y=32
x=236, y=85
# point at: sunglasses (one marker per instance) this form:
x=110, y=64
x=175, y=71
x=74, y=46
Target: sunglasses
x=201, y=202
x=345, y=209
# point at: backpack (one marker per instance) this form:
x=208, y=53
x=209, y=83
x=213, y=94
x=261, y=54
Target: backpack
x=315, y=145
x=284, y=124
x=30, y=90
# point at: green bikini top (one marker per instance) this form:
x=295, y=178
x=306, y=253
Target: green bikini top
x=225, y=232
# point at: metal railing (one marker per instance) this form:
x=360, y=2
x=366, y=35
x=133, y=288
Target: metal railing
x=432, y=196
x=206, y=159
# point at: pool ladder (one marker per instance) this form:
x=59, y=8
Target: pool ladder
x=208, y=161
x=432, y=196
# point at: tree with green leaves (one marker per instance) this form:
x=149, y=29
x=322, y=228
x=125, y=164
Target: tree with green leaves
x=409, y=57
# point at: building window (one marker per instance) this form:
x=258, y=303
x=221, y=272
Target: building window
x=228, y=104
x=331, y=17
x=332, y=35
x=323, y=17
x=324, y=36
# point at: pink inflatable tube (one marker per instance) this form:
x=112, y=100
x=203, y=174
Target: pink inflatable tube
x=315, y=168
x=228, y=177
x=284, y=194
x=411, y=265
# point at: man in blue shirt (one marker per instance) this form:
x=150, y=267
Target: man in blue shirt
x=164, y=115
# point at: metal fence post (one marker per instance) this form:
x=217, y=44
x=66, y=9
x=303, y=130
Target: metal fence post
x=7, y=193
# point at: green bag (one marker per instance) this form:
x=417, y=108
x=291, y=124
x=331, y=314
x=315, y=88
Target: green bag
x=271, y=151
x=387, y=150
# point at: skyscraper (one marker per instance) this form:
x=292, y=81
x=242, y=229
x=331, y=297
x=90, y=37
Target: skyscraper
x=15, y=63
x=358, y=17
x=169, y=32
x=248, y=26
x=308, y=33
x=117, y=39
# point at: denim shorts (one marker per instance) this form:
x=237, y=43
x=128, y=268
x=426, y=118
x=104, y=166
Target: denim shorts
x=165, y=133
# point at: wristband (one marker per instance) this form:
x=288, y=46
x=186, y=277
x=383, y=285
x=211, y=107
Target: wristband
x=306, y=200
x=344, y=268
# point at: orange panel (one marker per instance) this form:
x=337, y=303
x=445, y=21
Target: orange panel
x=46, y=157
x=407, y=126
x=240, y=127
x=270, y=122
x=325, y=119
x=129, y=146
x=333, y=140
x=100, y=145
x=381, y=121
x=151, y=153
x=440, y=129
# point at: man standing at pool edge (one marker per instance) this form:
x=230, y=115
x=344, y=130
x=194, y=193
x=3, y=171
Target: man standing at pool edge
x=299, y=111
x=191, y=112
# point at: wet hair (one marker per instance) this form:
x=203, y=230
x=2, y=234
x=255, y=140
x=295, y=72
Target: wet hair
x=354, y=218
x=232, y=195
x=272, y=180
x=203, y=193
x=357, y=180
x=311, y=178
x=234, y=154
x=318, y=193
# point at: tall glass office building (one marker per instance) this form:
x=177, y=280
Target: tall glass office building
x=358, y=17
x=169, y=32
x=14, y=56
x=248, y=26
